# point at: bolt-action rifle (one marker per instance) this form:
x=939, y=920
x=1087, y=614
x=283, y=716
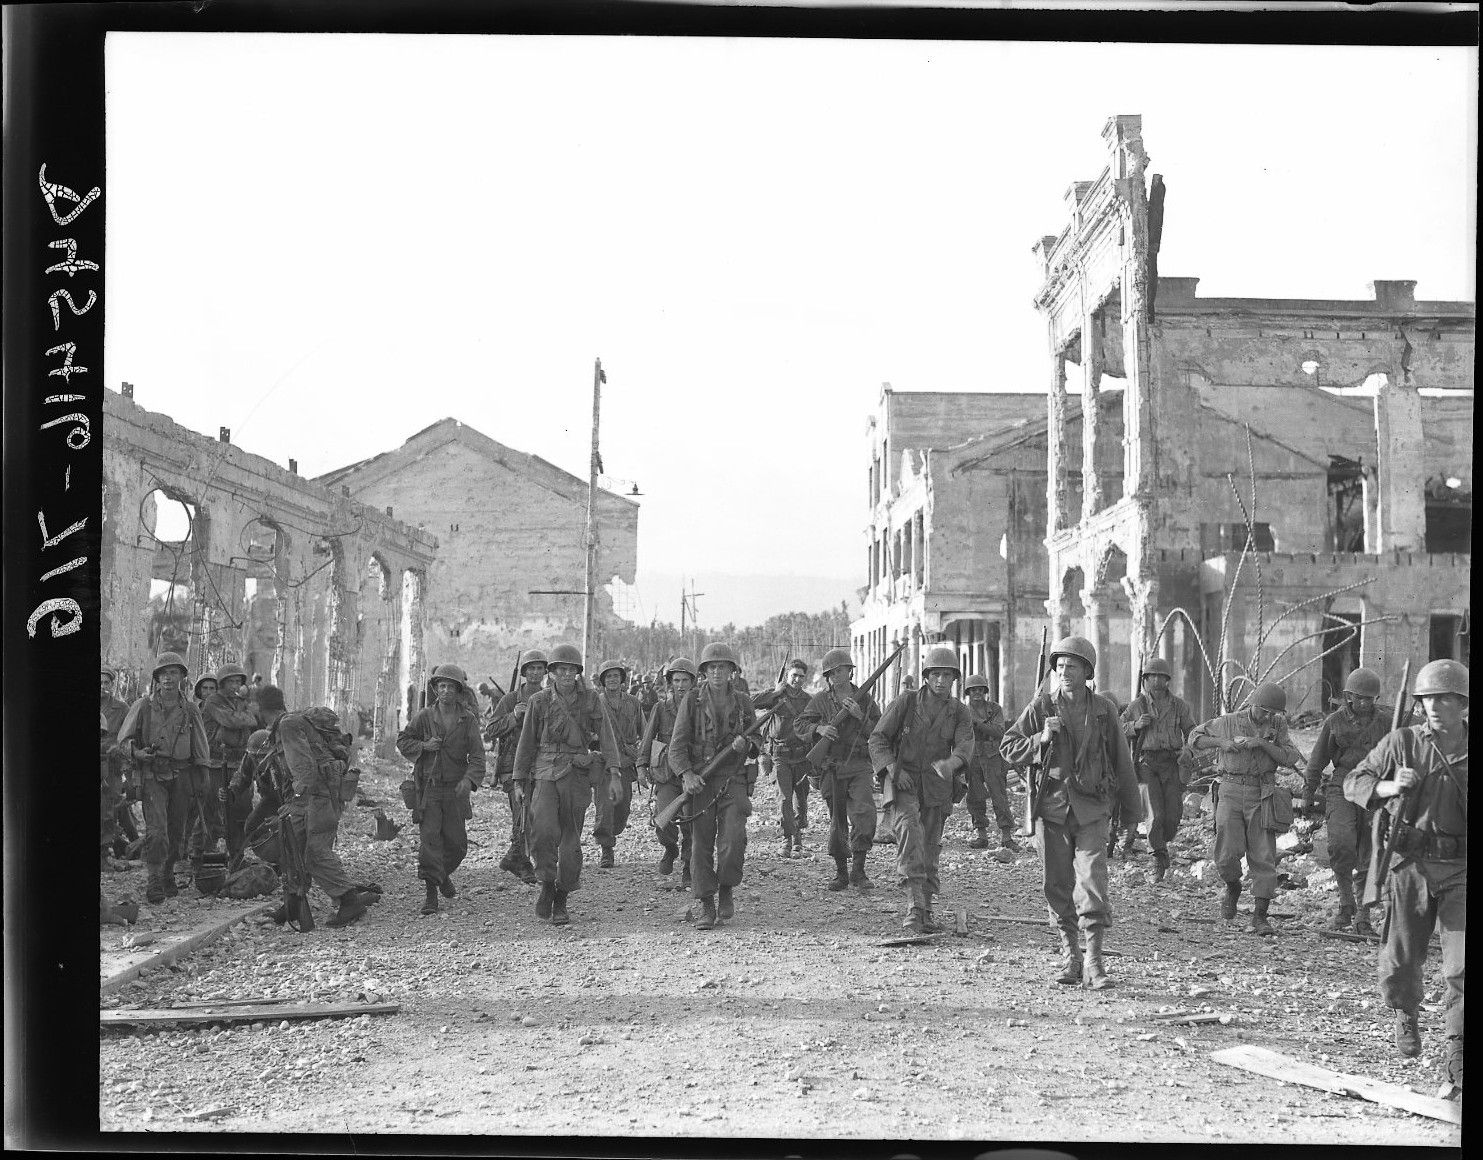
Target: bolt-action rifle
x=1035, y=779
x=295, y=873
x=820, y=751
x=1382, y=844
x=672, y=811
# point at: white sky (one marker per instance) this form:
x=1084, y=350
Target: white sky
x=326, y=243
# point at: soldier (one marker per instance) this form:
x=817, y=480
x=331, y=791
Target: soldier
x=504, y=728
x=229, y=720
x=111, y=772
x=253, y=772
x=1344, y=739
x=565, y=742
x=1253, y=742
x=786, y=754
x=1073, y=735
x=1156, y=724
x=845, y=775
x=919, y=744
x=163, y=735
x=1419, y=775
x=444, y=742
x=986, y=776
x=711, y=721
x=626, y=716
x=205, y=686
x=653, y=765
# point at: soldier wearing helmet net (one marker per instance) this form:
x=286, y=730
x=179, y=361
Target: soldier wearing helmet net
x=987, y=779
x=923, y=739
x=504, y=730
x=626, y=716
x=652, y=766
x=1343, y=741
x=787, y=752
x=1075, y=737
x=1419, y=776
x=1156, y=724
x=1252, y=743
x=445, y=745
x=229, y=721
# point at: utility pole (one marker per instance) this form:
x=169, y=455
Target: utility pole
x=598, y=378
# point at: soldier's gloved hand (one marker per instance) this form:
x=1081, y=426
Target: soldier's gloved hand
x=739, y=744
x=693, y=782
x=854, y=710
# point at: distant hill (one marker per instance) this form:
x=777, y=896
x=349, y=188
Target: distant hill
x=732, y=598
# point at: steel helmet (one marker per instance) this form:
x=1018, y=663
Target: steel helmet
x=201, y=680
x=1078, y=647
x=1441, y=677
x=1363, y=683
x=941, y=657
x=257, y=744
x=608, y=666
x=836, y=658
x=565, y=654
x=449, y=673
x=230, y=670
x=532, y=657
x=165, y=660
x=1269, y=695
x=719, y=652
x=976, y=681
x=681, y=665
x=1155, y=666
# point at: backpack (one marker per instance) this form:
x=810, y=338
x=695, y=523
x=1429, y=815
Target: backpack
x=326, y=741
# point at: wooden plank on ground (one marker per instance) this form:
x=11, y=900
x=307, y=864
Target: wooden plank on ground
x=1290, y=1070
x=118, y=969
x=228, y=1013
x=1019, y=918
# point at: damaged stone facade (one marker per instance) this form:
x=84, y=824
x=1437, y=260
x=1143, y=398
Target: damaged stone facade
x=297, y=582
x=1369, y=492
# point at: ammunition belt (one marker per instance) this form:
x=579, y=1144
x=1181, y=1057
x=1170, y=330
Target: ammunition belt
x=1413, y=843
x=1243, y=778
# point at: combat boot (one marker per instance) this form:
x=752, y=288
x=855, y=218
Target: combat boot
x=527, y=872
x=706, y=919
x=154, y=889
x=544, y=902
x=1362, y=923
x=1094, y=974
x=1407, y=1033
x=787, y=846
x=929, y=920
x=430, y=903
x=667, y=863
x=685, y=875
x=857, y=872
x=803, y=817
x=1259, y=924
x=606, y=861
x=171, y=890
x=559, y=916
x=980, y=841
x=446, y=888
x=511, y=860
x=1130, y=842
x=1070, y=973
x=1452, y=1069
x=1228, y=903
x=916, y=920
x=1007, y=842
x=351, y=908
x=280, y=915
x=1342, y=917
x=1160, y=864
x=725, y=905
x=841, y=875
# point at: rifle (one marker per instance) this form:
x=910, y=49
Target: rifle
x=1035, y=781
x=295, y=876
x=1379, y=824
x=671, y=811
x=820, y=751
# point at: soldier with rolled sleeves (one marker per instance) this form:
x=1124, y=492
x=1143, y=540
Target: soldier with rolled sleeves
x=229, y=721
x=444, y=742
x=652, y=765
x=1343, y=741
x=1156, y=724
x=565, y=744
x=846, y=773
x=1253, y=742
x=1419, y=776
x=920, y=742
x=110, y=770
x=711, y=720
x=163, y=735
x=1075, y=738
x=504, y=729
x=787, y=753
x=626, y=716
x=986, y=779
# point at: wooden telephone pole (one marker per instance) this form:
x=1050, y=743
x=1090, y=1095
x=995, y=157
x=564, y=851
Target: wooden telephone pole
x=598, y=378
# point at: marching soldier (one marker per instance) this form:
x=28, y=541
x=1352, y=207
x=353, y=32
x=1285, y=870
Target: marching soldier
x=1419, y=775
x=921, y=741
x=444, y=742
x=652, y=765
x=711, y=721
x=504, y=728
x=626, y=716
x=986, y=775
x=163, y=735
x=229, y=721
x=1156, y=724
x=787, y=754
x=845, y=776
x=1076, y=740
x=1253, y=742
x=1345, y=739
x=565, y=743
x=110, y=768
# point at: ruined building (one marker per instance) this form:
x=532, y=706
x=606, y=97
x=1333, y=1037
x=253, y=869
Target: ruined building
x=511, y=528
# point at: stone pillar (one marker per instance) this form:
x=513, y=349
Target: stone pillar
x=1094, y=628
x=1143, y=600
x=412, y=633
x=340, y=651
x=1401, y=500
x=1370, y=495
x=1057, y=516
x=1091, y=381
x=1124, y=137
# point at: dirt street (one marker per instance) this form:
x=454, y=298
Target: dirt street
x=790, y=1021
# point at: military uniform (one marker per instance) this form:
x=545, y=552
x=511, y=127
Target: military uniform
x=986, y=778
x=229, y=721
x=845, y=775
x=443, y=840
x=1344, y=740
x=1156, y=760
x=626, y=716
x=112, y=799
x=787, y=752
x=653, y=761
x=504, y=728
x=308, y=771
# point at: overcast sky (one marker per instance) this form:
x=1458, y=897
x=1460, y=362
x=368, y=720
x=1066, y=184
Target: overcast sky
x=327, y=243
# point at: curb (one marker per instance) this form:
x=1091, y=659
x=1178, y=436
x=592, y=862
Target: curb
x=166, y=955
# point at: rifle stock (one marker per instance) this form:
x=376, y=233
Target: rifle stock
x=1380, y=858
x=295, y=878
x=671, y=811
x=819, y=753
x=1034, y=779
